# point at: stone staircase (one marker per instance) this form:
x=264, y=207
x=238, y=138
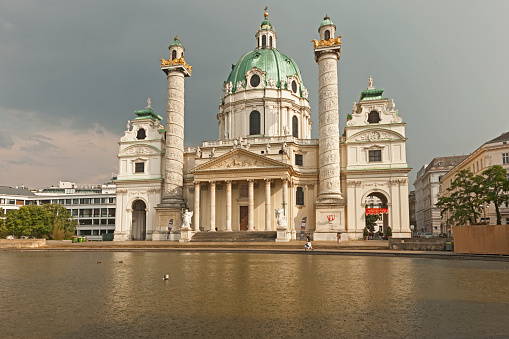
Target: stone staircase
x=243, y=236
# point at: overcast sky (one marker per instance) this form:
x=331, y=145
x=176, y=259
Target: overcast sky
x=73, y=72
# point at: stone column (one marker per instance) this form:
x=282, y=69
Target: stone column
x=250, y=219
x=228, y=205
x=212, y=206
x=328, y=123
x=197, y=206
x=174, y=155
x=268, y=213
x=285, y=197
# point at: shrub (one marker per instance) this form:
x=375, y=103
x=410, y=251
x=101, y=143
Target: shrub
x=389, y=231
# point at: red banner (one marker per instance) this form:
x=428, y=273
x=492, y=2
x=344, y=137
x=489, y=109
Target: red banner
x=370, y=211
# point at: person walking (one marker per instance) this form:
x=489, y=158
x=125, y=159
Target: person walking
x=339, y=237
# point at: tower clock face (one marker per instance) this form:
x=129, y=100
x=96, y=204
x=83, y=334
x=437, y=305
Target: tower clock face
x=255, y=81
x=374, y=136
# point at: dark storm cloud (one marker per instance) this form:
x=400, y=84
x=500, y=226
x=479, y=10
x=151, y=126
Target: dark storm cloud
x=80, y=64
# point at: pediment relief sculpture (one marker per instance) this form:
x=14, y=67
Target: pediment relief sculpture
x=138, y=150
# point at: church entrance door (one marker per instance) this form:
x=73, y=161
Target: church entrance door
x=243, y=217
x=139, y=228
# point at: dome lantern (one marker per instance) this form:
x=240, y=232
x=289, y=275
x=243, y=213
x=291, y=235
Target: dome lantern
x=327, y=29
x=266, y=34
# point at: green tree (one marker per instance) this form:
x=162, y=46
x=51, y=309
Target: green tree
x=463, y=204
x=495, y=186
x=371, y=222
x=40, y=221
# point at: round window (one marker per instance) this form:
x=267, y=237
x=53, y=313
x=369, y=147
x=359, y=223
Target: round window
x=294, y=86
x=255, y=81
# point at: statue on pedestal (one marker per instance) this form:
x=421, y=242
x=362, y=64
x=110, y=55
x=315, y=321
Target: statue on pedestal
x=186, y=222
x=281, y=217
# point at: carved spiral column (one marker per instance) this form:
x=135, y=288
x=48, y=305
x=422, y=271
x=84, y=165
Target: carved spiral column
x=174, y=155
x=228, y=205
x=212, y=206
x=250, y=219
x=328, y=122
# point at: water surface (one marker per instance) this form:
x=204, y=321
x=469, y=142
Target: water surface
x=70, y=294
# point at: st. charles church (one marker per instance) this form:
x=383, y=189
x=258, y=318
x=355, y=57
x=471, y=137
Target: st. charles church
x=264, y=172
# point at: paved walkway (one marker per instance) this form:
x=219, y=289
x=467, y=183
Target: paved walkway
x=379, y=248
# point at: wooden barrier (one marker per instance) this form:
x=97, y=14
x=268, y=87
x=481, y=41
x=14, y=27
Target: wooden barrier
x=481, y=239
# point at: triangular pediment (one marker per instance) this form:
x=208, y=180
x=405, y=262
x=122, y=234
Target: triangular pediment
x=374, y=135
x=240, y=159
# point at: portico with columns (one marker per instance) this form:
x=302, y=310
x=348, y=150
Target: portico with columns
x=239, y=191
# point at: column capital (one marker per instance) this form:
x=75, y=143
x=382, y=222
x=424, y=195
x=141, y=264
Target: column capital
x=250, y=180
x=268, y=180
x=228, y=182
x=196, y=182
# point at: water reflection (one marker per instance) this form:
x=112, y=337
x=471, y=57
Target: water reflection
x=123, y=294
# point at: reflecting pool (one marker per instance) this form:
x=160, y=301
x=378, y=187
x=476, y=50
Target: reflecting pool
x=224, y=295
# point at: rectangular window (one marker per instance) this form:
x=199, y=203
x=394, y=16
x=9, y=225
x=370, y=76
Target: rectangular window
x=298, y=159
x=111, y=212
x=68, y=201
x=85, y=232
x=104, y=212
x=96, y=212
x=375, y=155
x=505, y=158
x=75, y=201
x=96, y=232
x=96, y=221
x=104, y=221
x=139, y=167
x=97, y=200
x=299, y=198
x=112, y=200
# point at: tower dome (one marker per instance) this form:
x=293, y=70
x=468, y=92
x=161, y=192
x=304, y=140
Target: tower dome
x=274, y=65
x=264, y=95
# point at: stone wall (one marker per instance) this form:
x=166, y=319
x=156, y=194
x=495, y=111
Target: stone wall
x=418, y=244
x=22, y=243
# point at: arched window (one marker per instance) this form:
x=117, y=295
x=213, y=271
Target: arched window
x=373, y=117
x=299, y=196
x=270, y=42
x=173, y=55
x=295, y=127
x=141, y=134
x=254, y=123
x=327, y=35
x=264, y=41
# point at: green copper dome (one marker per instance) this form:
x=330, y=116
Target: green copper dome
x=266, y=25
x=277, y=66
x=175, y=42
x=327, y=21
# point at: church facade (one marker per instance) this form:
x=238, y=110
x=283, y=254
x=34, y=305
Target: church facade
x=264, y=158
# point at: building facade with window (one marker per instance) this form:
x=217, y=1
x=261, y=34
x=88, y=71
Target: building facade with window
x=92, y=206
x=493, y=152
x=264, y=158
x=427, y=184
